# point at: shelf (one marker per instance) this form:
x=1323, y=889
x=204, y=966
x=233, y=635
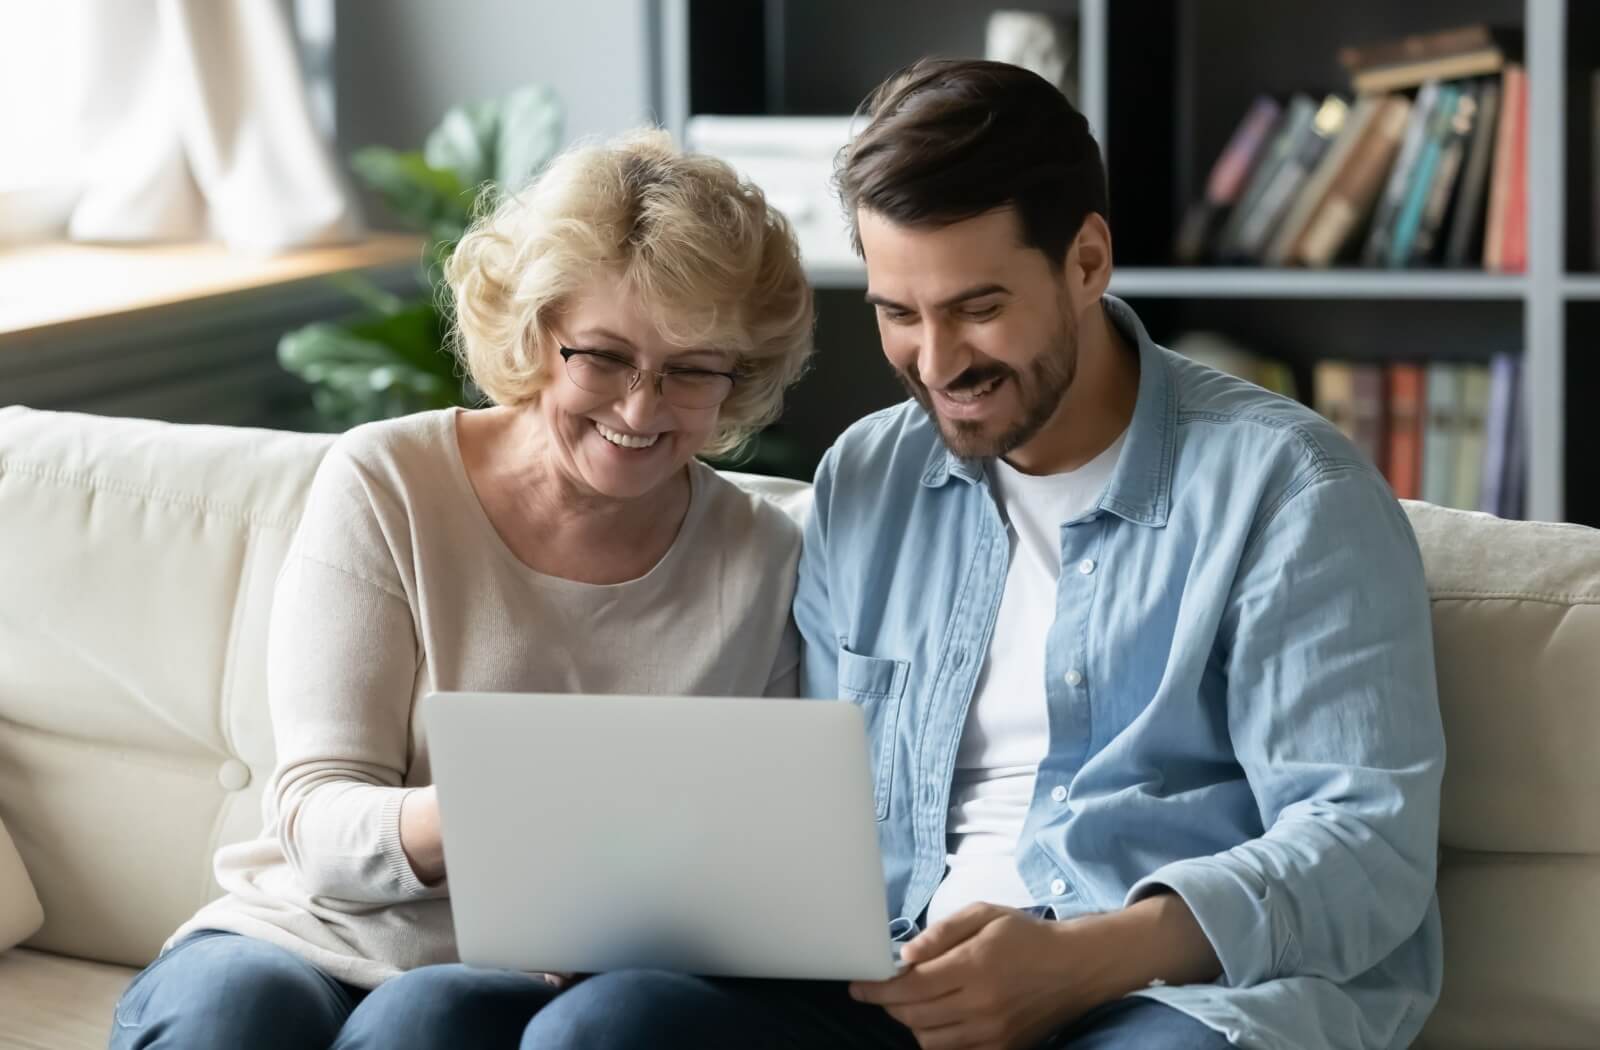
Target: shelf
x=50, y=287
x=838, y=275
x=1246, y=283
x=1582, y=286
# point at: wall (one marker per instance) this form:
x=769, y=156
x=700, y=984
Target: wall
x=400, y=64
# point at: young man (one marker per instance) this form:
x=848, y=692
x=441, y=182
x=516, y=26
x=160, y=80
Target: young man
x=1144, y=651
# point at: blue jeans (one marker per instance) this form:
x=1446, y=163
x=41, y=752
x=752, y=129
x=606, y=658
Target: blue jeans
x=645, y=1009
x=217, y=989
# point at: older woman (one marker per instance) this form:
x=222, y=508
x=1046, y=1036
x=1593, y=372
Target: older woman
x=633, y=308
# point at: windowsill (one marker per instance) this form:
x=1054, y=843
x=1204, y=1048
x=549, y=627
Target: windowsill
x=45, y=288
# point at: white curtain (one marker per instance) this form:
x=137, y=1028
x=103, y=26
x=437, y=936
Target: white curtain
x=176, y=120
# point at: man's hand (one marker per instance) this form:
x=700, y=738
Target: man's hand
x=993, y=977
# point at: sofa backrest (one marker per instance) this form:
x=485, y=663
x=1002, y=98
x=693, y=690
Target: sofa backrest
x=137, y=562
x=1516, y=621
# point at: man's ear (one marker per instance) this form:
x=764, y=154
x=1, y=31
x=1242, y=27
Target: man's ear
x=1088, y=270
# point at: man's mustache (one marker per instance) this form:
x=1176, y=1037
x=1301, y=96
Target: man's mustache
x=968, y=380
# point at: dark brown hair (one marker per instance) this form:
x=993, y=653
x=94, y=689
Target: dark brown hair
x=951, y=139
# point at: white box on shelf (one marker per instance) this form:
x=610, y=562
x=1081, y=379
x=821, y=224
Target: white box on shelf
x=791, y=159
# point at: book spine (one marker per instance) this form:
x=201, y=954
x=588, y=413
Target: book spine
x=1466, y=227
x=1351, y=201
x=1409, y=217
x=1502, y=389
x=1439, y=437
x=1445, y=178
x=1514, y=252
x=1403, y=464
x=1471, y=424
x=1394, y=191
x=1494, y=228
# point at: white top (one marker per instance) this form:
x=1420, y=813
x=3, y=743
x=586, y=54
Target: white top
x=1007, y=731
x=397, y=585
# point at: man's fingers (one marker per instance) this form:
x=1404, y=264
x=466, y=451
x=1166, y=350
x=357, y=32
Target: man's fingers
x=912, y=986
x=931, y=1014
x=943, y=936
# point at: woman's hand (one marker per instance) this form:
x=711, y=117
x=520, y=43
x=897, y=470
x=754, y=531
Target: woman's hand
x=419, y=834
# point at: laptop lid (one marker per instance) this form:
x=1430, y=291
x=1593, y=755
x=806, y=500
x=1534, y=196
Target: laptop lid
x=717, y=836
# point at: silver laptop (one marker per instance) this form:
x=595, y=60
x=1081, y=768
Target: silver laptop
x=723, y=837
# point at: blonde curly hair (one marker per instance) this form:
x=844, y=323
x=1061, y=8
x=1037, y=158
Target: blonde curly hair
x=713, y=265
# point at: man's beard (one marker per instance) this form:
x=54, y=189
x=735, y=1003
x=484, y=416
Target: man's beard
x=1040, y=394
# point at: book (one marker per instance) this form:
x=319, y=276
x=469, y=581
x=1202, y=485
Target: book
x=1513, y=85
x=1376, y=249
x=1415, y=47
x=1439, y=437
x=1408, y=218
x=1503, y=394
x=1445, y=177
x=1333, y=392
x=1303, y=210
x=1297, y=115
x=1355, y=189
x=1407, y=418
x=1218, y=351
x=1514, y=248
x=1227, y=180
x=1258, y=227
x=1465, y=244
x=1369, y=411
x=1512, y=486
x=1406, y=62
x=1471, y=436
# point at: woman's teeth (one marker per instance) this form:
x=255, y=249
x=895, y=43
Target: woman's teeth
x=626, y=440
x=973, y=393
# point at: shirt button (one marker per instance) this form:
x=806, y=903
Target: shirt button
x=1058, y=887
x=1073, y=678
x=1058, y=793
x=1086, y=566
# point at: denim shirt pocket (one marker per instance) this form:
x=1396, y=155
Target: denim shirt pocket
x=876, y=684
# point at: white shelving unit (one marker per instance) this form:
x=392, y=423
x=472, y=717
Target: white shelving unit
x=1542, y=294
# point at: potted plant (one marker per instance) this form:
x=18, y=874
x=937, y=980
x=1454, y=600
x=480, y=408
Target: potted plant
x=391, y=358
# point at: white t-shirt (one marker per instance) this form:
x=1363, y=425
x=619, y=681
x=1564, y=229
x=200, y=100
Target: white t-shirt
x=1007, y=731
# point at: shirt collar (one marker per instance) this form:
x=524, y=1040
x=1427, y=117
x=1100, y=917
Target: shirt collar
x=1140, y=489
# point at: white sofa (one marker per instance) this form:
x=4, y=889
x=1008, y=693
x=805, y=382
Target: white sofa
x=136, y=567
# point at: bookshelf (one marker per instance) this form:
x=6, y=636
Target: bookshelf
x=1163, y=82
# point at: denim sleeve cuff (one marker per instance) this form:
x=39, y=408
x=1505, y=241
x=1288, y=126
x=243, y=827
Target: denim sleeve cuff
x=1235, y=911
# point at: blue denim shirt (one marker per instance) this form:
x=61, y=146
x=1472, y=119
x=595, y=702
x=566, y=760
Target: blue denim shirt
x=1240, y=682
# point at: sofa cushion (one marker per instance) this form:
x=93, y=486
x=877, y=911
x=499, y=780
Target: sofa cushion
x=20, y=912
x=1516, y=623
x=50, y=1002
x=135, y=581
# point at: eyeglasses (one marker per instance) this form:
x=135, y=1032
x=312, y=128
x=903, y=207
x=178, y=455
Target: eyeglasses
x=600, y=372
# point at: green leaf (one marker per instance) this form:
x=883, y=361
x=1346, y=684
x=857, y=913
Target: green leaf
x=367, y=292
x=420, y=194
x=393, y=359
x=530, y=134
x=412, y=336
x=464, y=142
x=374, y=367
